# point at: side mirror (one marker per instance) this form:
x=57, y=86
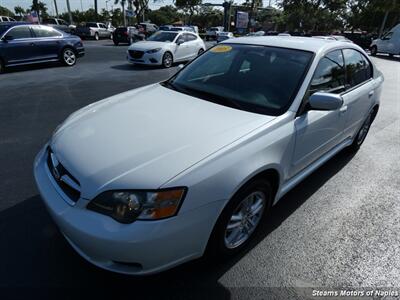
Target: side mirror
x=325, y=101
x=180, y=41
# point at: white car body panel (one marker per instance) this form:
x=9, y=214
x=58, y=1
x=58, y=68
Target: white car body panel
x=389, y=45
x=154, y=137
x=183, y=52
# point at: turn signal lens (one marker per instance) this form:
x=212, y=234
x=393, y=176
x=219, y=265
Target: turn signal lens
x=162, y=204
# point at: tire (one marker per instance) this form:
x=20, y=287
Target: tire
x=167, y=60
x=230, y=236
x=2, y=66
x=68, y=57
x=116, y=43
x=374, y=50
x=200, y=51
x=362, y=133
x=111, y=37
x=96, y=36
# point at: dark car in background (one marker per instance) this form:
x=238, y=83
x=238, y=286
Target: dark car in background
x=23, y=43
x=121, y=35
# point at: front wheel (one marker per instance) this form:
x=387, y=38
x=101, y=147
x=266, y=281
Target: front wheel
x=68, y=57
x=362, y=133
x=167, y=60
x=241, y=218
x=96, y=36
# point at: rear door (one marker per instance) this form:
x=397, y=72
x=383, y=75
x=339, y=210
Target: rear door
x=19, y=47
x=47, y=41
x=182, y=51
x=359, y=96
x=193, y=45
x=318, y=131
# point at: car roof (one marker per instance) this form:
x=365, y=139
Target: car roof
x=292, y=42
x=13, y=23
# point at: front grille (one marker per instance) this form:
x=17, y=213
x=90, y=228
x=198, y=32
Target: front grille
x=68, y=184
x=136, y=54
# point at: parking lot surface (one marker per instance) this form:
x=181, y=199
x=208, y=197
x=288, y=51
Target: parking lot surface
x=340, y=227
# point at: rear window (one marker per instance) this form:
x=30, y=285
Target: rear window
x=89, y=24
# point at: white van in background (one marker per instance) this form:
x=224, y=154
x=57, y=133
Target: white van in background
x=389, y=43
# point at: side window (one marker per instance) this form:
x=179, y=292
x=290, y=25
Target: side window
x=20, y=32
x=191, y=37
x=388, y=36
x=329, y=75
x=358, y=69
x=45, y=32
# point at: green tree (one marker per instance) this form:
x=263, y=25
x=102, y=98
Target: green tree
x=5, y=11
x=19, y=11
x=313, y=15
x=188, y=6
x=40, y=7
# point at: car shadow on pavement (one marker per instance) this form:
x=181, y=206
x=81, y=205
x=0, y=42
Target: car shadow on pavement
x=47, y=65
x=36, y=259
x=130, y=67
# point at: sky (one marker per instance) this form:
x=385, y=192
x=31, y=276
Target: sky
x=86, y=4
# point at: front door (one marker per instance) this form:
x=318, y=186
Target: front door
x=317, y=132
x=19, y=46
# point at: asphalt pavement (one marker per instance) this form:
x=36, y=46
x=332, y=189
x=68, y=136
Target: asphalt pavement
x=339, y=228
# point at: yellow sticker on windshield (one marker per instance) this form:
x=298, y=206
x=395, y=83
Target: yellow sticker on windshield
x=221, y=48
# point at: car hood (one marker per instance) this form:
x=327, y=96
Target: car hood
x=142, y=138
x=147, y=45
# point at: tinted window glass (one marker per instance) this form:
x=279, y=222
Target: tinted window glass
x=330, y=74
x=20, y=32
x=358, y=68
x=49, y=21
x=45, y=32
x=162, y=36
x=91, y=25
x=245, y=77
x=191, y=37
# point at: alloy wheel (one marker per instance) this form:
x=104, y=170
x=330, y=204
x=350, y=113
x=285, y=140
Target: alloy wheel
x=244, y=219
x=69, y=57
x=167, y=60
x=362, y=134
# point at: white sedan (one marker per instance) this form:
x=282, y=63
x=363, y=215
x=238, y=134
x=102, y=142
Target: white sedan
x=166, y=47
x=157, y=176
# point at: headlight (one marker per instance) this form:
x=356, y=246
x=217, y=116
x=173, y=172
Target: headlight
x=127, y=206
x=153, y=50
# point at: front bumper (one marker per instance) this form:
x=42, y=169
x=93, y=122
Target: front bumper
x=143, y=247
x=147, y=58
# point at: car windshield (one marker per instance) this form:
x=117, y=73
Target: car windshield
x=176, y=29
x=162, y=37
x=258, y=79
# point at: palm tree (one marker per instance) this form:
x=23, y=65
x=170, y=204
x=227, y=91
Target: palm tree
x=123, y=3
x=19, y=11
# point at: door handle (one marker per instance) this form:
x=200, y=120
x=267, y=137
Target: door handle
x=343, y=109
x=32, y=44
x=371, y=93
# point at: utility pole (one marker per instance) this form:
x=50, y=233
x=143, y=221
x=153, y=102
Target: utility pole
x=69, y=12
x=56, y=8
x=95, y=9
